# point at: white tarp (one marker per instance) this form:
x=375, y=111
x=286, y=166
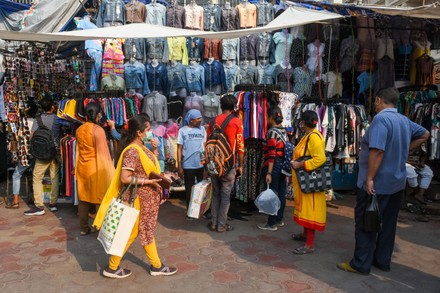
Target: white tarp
x=293, y=16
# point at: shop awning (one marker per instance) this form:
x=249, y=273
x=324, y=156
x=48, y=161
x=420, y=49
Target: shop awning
x=293, y=16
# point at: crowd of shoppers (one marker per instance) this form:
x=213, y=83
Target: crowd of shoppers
x=382, y=173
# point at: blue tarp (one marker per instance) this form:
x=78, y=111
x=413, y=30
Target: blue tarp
x=10, y=6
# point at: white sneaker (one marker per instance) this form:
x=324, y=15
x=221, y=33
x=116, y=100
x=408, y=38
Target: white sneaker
x=267, y=227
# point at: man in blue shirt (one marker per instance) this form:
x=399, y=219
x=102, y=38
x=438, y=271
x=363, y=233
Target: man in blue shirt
x=382, y=172
x=190, y=151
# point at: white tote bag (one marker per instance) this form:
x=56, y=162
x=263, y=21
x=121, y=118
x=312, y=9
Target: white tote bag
x=119, y=222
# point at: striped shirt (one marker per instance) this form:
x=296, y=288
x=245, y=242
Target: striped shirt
x=273, y=145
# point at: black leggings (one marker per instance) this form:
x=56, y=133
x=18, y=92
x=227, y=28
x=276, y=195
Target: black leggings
x=190, y=176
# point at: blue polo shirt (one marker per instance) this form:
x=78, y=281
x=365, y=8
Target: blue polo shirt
x=392, y=133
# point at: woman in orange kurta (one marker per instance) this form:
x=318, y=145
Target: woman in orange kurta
x=310, y=208
x=94, y=166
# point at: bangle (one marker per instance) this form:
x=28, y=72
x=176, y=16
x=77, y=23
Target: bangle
x=269, y=173
x=143, y=182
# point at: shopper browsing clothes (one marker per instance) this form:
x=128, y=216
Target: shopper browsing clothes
x=41, y=166
x=310, y=208
x=94, y=168
x=222, y=185
x=136, y=160
x=273, y=158
x=382, y=172
x=190, y=151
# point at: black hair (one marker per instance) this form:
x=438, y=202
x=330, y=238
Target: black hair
x=227, y=102
x=310, y=118
x=46, y=104
x=275, y=113
x=92, y=111
x=389, y=95
x=135, y=124
x=32, y=109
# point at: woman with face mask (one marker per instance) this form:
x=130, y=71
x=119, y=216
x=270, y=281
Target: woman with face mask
x=94, y=166
x=190, y=150
x=136, y=160
x=310, y=208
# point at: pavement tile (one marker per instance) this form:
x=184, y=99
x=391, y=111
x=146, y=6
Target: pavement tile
x=51, y=251
x=224, y=277
x=13, y=277
x=293, y=286
x=184, y=267
x=234, y=267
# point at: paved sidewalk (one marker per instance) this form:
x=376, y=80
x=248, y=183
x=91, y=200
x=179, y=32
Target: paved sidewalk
x=46, y=254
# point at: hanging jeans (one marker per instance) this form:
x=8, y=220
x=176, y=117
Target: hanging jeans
x=278, y=185
x=95, y=74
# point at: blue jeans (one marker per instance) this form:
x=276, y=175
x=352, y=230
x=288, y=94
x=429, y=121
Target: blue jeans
x=279, y=186
x=375, y=248
x=419, y=177
x=18, y=173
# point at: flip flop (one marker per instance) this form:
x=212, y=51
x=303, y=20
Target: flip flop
x=303, y=250
x=225, y=228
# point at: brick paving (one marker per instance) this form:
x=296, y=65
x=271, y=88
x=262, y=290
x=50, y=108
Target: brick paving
x=46, y=254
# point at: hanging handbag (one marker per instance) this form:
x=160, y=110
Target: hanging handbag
x=372, y=221
x=317, y=180
x=119, y=221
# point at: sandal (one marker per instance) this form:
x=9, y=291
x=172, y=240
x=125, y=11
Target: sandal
x=12, y=205
x=212, y=227
x=85, y=233
x=299, y=237
x=225, y=228
x=303, y=250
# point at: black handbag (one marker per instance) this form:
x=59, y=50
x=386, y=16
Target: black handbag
x=317, y=180
x=372, y=221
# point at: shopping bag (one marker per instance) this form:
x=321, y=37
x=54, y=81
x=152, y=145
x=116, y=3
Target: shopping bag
x=119, y=222
x=372, y=221
x=268, y=202
x=200, y=199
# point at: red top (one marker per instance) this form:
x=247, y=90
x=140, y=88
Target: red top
x=234, y=132
x=273, y=146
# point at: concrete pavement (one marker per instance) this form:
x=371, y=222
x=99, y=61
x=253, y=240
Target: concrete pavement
x=47, y=254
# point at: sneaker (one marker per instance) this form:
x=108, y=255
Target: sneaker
x=53, y=207
x=34, y=211
x=116, y=274
x=267, y=227
x=280, y=224
x=162, y=271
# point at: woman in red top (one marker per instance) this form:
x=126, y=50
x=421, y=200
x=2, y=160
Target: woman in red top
x=273, y=157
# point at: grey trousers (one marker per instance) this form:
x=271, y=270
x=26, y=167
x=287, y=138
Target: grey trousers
x=221, y=197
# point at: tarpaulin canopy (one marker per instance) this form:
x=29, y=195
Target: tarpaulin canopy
x=293, y=16
x=431, y=12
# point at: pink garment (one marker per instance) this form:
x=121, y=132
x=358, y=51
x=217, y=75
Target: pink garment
x=160, y=130
x=172, y=131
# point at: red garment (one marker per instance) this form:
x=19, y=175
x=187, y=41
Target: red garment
x=234, y=132
x=273, y=147
x=310, y=236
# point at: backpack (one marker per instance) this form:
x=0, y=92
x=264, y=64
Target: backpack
x=286, y=167
x=42, y=144
x=219, y=157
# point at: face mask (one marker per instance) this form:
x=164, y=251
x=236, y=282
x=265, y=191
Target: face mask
x=148, y=137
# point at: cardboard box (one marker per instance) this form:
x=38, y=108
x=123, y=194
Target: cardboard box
x=200, y=199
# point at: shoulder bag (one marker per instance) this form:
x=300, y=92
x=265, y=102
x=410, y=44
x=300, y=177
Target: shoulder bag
x=317, y=180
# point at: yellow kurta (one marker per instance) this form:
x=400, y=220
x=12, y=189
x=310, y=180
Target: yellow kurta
x=94, y=168
x=310, y=208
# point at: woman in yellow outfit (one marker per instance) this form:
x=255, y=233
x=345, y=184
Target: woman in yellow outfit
x=137, y=161
x=310, y=208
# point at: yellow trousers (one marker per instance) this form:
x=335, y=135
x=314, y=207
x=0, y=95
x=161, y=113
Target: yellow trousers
x=150, y=250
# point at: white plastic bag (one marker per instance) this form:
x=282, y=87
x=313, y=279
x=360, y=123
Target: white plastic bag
x=268, y=202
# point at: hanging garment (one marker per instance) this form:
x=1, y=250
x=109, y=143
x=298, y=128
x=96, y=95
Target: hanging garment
x=157, y=77
x=247, y=15
x=178, y=50
x=229, y=19
x=403, y=61
x=195, y=48
x=248, y=75
x=266, y=48
x=135, y=48
x=113, y=83
x=348, y=53
x=157, y=48
x=265, y=13
x=287, y=104
x=194, y=17
x=298, y=53
x=135, y=12
x=232, y=75
x=385, y=74
x=155, y=105
x=249, y=46
x=214, y=75
x=284, y=77
x=156, y=14
x=333, y=84
x=176, y=77
x=283, y=43
x=195, y=78
x=212, y=18
x=211, y=104
x=212, y=48
x=111, y=13
x=194, y=102
x=175, y=16
x=135, y=77
x=231, y=49
x=266, y=74
x=302, y=82
x=315, y=51
x=425, y=66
